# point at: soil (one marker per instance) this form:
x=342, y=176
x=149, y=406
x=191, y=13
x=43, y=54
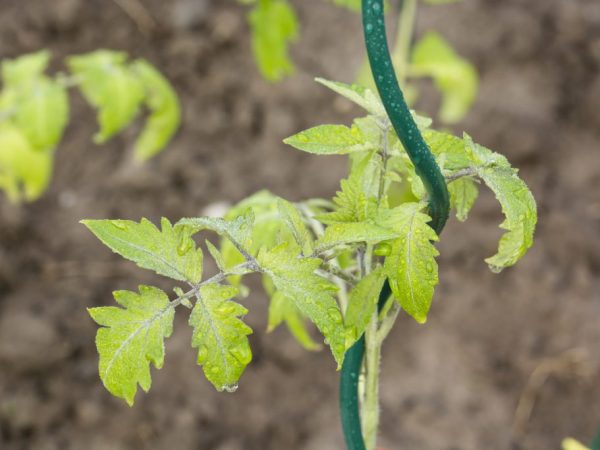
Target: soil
x=453, y=384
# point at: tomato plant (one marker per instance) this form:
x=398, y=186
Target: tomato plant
x=348, y=265
x=34, y=111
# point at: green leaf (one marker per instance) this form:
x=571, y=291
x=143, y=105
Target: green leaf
x=360, y=95
x=354, y=232
x=352, y=204
x=24, y=69
x=132, y=337
x=238, y=230
x=274, y=26
x=220, y=336
x=109, y=86
x=42, y=113
x=330, y=140
x=265, y=230
x=217, y=255
x=292, y=218
x=453, y=150
x=170, y=251
x=463, y=193
x=165, y=111
x=411, y=267
x=282, y=309
x=295, y=278
x=518, y=206
x=363, y=304
x=24, y=172
x=454, y=76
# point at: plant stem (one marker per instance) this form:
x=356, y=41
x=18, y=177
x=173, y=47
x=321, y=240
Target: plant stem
x=370, y=407
x=406, y=25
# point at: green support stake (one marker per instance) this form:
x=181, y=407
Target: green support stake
x=596, y=442
x=427, y=169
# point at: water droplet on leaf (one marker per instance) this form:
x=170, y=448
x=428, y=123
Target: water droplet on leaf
x=202, y=354
x=335, y=315
x=118, y=224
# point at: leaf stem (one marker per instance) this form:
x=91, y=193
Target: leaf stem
x=370, y=407
x=404, y=34
x=467, y=172
x=236, y=270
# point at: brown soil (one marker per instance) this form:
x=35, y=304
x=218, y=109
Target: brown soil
x=452, y=384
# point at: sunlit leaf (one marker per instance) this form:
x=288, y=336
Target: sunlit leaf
x=454, y=76
x=110, y=86
x=220, y=336
x=274, y=26
x=170, y=251
x=295, y=278
x=165, y=111
x=132, y=337
x=411, y=267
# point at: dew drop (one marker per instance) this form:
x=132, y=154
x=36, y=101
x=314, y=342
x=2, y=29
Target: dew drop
x=118, y=224
x=376, y=6
x=242, y=353
x=226, y=308
x=335, y=315
x=184, y=246
x=383, y=249
x=369, y=27
x=202, y=354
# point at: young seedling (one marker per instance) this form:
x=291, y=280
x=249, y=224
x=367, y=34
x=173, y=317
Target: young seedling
x=274, y=26
x=34, y=112
x=349, y=265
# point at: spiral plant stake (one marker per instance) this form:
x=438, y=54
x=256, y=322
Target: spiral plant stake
x=425, y=167
x=347, y=265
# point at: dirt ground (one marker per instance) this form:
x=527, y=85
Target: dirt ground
x=453, y=384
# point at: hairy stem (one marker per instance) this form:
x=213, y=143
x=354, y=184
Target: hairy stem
x=404, y=34
x=370, y=407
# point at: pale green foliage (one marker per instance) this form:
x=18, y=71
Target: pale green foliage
x=363, y=97
x=132, y=337
x=411, y=267
x=363, y=304
x=165, y=111
x=518, y=204
x=330, y=140
x=354, y=232
x=520, y=214
x=352, y=204
x=274, y=219
x=463, y=193
x=296, y=225
x=220, y=336
x=25, y=69
x=238, y=230
x=282, y=309
x=454, y=76
x=353, y=5
x=170, y=251
x=320, y=261
x=42, y=112
x=108, y=84
x=572, y=444
x=295, y=278
x=274, y=25
x=34, y=112
x=24, y=172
